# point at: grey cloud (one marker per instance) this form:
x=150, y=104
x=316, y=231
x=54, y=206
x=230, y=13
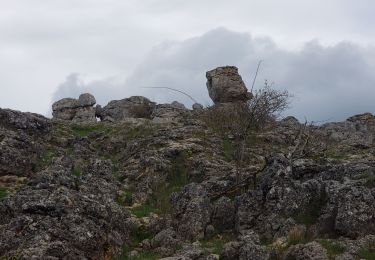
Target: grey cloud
x=328, y=83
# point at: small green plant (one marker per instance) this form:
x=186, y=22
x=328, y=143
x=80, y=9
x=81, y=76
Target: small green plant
x=333, y=248
x=3, y=192
x=84, y=130
x=368, y=253
x=77, y=171
x=143, y=210
x=48, y=156
x=126, y=199
x=228, y=149
x=216, y=244
x=369, y=178
x=143, y=255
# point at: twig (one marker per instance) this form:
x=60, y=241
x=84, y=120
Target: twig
x=176, y=91
x=256, y=74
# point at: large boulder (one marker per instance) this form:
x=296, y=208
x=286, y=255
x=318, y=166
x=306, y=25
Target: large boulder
x=76, y=110
x=192, y=211
x=224, y=85
x=133, y=107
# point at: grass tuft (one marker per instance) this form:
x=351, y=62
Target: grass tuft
x=333, y=248
x=3, y=192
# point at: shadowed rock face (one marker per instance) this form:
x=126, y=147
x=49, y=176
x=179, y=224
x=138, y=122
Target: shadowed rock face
x=225, y=85
x=76, y=110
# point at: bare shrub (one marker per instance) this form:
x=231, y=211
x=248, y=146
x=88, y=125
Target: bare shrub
x=238, y=119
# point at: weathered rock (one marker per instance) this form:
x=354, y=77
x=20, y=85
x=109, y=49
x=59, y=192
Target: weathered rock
x=71, y=109
x=133, y=107
x=86, y=100
x=224, y=85
x=310, y=251
x=223, y=217
x=197, y=107
x=192, y=211
x=357, y=131
x=60, y=215
x=246, y=247
x=21, y=141
x=166, y=113
x=28, y=122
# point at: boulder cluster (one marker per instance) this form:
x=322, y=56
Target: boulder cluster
x=224, y=85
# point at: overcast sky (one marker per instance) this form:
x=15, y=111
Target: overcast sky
x=321, y=51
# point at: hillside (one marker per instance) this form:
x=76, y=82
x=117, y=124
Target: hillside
x=160, y=181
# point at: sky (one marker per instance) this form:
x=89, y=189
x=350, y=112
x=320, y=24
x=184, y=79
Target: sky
x=322, y=52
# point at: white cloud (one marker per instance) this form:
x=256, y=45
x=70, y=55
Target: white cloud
x=329, y=83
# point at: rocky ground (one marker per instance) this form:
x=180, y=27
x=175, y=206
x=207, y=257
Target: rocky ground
x=167, y=186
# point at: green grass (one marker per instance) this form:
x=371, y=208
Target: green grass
x=46, y=158
x=84, y=130
x=333, y=248
x=369, y=178
x=126, y=199
x=228, y=150
x=143, y=210
x=159, y=202
x=216, y=244
x=77, y=171
x=368, y=253
x=138, y=132
x=3, y=192
x=143, y=255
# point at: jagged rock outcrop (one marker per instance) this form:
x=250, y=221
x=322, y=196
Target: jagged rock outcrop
x=133, y=107
x=357, y=130
x=60, y=215
x=21, y=138
x=76, y=110
x=225, y=85
x=192, y=211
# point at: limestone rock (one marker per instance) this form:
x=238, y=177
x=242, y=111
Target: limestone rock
x=192, y=211
x=310, y=251
x=224, y=85
x=76, y=110
x=133, y=107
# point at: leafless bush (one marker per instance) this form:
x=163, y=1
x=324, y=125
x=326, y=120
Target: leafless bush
x=238, y=119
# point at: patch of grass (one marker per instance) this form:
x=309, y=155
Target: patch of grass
x=216, y=244
x=143, y=255
x=228, y=150
x=84, y=130
x=159, y=202
x=47, y=157
x=77, y=171
x=333, y=248
x=142, y=210
x=126, y=199
x=138, y=132
x=369, y=177
x=368, y=253
x=3, y=192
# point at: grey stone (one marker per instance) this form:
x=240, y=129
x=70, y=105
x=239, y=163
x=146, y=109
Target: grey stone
x=224, y=85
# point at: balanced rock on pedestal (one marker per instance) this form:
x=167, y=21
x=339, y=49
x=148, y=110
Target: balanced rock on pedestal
x=225, y=85
x=76, y=110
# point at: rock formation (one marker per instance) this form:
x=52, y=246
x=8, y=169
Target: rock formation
x=225, y=85
x=133, y=107
x=76, y=110
x=166, y=186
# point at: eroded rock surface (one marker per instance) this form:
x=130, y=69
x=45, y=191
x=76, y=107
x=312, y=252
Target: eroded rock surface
x=76, y=110
x=224, y=85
